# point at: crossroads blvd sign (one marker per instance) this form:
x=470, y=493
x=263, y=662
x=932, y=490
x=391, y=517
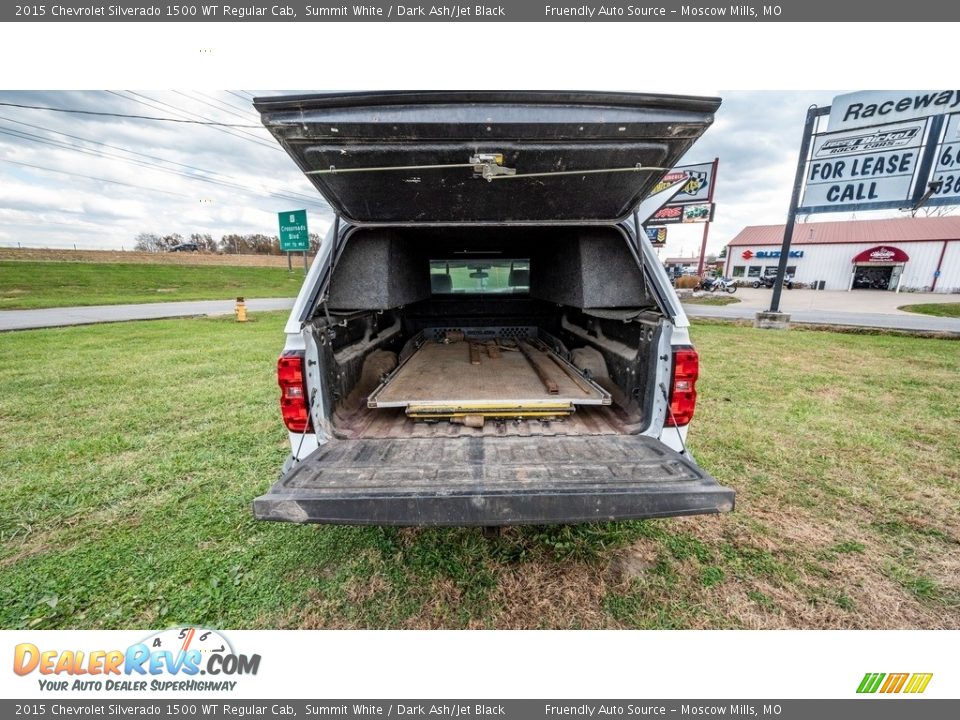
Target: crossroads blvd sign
x=294, y=236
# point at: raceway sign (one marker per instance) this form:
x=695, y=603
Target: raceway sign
x=861, y=109
x=885, y=149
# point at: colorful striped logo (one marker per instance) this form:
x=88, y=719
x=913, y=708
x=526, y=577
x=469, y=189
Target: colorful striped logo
x=894, y=682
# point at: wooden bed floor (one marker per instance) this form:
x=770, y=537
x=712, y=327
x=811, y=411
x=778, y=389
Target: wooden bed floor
x=393, y=423
x=443, y=373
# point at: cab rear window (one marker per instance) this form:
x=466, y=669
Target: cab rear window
x=501, y=277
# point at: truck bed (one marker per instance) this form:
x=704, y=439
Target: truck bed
x=451, y=378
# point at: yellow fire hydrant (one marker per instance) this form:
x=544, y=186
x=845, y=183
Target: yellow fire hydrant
x=241, y=310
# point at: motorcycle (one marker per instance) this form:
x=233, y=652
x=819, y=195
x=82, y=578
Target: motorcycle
x=768, y=281
x=722, y=284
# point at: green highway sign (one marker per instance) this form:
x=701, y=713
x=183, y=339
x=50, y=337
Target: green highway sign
x=294, y=236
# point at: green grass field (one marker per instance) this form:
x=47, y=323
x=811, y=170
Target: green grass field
x=938, y=309
x=132, y=451
x=63, y=284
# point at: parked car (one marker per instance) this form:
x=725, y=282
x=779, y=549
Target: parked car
x=487, y=337
x=184, y=247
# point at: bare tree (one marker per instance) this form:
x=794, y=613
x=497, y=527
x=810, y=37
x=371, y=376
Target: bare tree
x=934, y=211
x=204, y=242
x=147, y=242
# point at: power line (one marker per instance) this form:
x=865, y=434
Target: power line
x=92, y=177
x=103, y=144
x=239, y=134
x=123, y=115
x=244, y=100
x=153, y=166
x=95, y=178
x=151, y=103
x=229, y=109
x=292, y=194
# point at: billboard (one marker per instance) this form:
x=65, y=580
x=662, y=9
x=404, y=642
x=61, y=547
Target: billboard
x=697, y=188
x=657, y=236
x=889, y=149
x=947, y=169
x=686, y=213
x=872, y=107
x=851, y=167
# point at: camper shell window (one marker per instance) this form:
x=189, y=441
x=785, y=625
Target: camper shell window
x=480, y=277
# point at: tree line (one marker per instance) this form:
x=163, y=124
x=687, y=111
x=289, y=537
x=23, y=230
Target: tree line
x=231, y=244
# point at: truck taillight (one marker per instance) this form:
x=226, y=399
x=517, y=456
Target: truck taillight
x=683, y=387
x=293, y=392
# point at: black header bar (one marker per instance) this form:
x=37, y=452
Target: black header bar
x=852, y=11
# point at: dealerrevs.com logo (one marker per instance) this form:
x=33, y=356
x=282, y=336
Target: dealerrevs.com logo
x=170, y=660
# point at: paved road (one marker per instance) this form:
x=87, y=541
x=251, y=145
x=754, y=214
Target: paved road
x=832, y=317
x=849, y=312
x=861, y=308
x=57, y=317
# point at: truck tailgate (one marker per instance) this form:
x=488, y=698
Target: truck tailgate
x=491, y=481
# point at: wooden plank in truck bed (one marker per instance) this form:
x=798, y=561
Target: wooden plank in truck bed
x=442, y=375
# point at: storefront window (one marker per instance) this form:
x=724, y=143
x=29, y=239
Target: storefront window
x=754, y=271
x=738, y=270
x=770, y=270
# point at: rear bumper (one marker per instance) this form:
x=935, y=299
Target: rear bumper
x=492, y=481
x=541, y=508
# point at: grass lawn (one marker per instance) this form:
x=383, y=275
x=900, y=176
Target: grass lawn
x=711, y=300
x=132, y=451
x=63, y=284
x=939, y=309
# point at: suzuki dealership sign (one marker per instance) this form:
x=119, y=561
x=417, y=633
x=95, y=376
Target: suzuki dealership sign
x=883, y=150
x=768, y=254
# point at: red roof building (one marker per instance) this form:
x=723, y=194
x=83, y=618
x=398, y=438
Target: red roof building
x=894, y=230
x=893, y=254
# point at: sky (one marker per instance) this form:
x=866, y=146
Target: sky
x=73, y=180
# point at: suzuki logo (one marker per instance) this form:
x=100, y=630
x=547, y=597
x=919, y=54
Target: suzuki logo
x=747, y=254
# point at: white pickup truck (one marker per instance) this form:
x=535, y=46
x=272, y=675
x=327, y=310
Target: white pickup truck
x=486, y=337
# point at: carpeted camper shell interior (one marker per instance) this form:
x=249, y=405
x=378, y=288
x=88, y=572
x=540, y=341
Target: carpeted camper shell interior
x=587, y=300
x=583, y=267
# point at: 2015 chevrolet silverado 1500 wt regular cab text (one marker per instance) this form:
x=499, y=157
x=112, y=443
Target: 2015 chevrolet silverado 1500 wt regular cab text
x=486, y=336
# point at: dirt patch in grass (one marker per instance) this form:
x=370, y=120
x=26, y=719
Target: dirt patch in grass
x=540, y=594
x=632, y=562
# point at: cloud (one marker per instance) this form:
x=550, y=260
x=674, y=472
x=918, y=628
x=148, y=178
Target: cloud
x=111, y=178
x=197, y=179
